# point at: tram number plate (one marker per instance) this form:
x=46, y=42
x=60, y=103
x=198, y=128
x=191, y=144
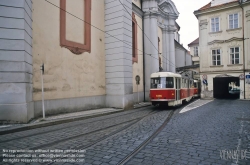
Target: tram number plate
x=158, y=96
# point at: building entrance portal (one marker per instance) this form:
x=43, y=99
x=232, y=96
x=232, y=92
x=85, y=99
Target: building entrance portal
x=226, y=87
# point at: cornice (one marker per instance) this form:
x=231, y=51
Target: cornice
x=166, y=28
x=172, y=14
x=168, y=4
x=215, y=9
x=167, y=15
x=151, y=13
x=137, y=10
x=225, y=41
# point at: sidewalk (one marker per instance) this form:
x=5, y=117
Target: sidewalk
x=63, y=118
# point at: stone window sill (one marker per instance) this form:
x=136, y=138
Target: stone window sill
x=234, y=64
x=216, y=66
x=215, y=32
x=228, y=30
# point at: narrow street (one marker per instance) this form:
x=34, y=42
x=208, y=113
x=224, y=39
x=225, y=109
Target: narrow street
x=202, y=132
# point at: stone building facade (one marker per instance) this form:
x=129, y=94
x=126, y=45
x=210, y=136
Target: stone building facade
x=91, y=50
x=224, y=32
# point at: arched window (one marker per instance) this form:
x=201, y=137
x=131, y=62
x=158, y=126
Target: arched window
x=73, y=46
x=134, y=39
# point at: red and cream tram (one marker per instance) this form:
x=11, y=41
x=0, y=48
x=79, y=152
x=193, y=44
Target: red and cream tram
x=197, y=86
x=171, y=88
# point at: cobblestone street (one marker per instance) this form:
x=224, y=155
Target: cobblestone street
x=201, y=132
x=199, y=136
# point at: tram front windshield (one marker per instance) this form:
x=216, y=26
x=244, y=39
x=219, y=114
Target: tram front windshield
x=162, y=82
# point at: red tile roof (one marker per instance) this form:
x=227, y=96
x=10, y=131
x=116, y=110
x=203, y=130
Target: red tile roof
x=196, y=41
x=208, y=6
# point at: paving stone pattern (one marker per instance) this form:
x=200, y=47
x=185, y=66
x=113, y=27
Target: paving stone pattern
x=117, y=147
x=40, y=138
x=198, y=136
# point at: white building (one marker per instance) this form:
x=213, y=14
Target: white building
x=224, y=32
x=194, y=51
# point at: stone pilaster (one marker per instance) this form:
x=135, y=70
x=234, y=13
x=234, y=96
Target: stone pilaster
x=119, y=71
x=16, y=61
x=172, y=65
x=165, y=50
x=151, y=47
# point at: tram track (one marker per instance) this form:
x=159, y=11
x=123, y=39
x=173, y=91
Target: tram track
x=134, y=121
x=57, y=142
x=63, y=128
x=148, y=140
x=84, y=134
x=86, y=147
x=104, y=136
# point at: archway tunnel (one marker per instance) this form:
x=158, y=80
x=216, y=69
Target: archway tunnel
x=226, y=87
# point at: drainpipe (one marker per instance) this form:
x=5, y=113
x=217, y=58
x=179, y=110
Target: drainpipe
x=143, y=48
x=244, y=70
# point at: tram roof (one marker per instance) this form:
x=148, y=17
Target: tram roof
x=165, y=74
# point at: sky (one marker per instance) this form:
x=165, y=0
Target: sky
x=187, y=20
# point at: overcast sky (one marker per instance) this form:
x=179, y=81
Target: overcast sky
x=187, y=20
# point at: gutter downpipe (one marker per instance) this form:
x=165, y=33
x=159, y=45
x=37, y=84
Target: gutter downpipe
x=143, y=48
x=244, y=69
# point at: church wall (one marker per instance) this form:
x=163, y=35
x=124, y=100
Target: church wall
x=67, y=76
x=138, y=66
x=137, y=3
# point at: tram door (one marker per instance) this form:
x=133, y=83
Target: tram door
x=189, y=86
x=178, y=88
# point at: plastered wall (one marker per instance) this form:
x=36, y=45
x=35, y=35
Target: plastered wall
x=138, y=66
x=206, y=36
x=210, y=78
x=67, y=75
x=137, y=3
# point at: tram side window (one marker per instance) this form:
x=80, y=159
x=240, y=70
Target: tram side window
x=155, y=82
x=195, y=84
x=163, y=82
x=169, y=82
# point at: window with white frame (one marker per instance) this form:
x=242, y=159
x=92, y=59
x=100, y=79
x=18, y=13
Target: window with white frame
x=216, y=57
x=233, y=21
x=235, y=55
x=215, y=24
x=196, y=51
